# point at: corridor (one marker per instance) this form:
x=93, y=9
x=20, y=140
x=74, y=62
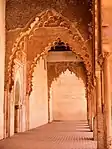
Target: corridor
x=56, y=135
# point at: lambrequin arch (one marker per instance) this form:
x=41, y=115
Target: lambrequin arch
x=58, y=68
x=38, y=38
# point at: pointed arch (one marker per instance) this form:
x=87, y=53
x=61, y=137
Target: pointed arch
x=57, y=68
x=37, y=40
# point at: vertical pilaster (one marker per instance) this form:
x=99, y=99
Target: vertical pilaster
x=27, y=112
x=89, y=96
x=17, y=118
x=107, y=101
x=94, y=112
x=90, y=114
x=2, y=64
x=49, y=105
x=100, y=118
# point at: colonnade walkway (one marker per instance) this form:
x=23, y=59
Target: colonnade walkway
x=56, y=135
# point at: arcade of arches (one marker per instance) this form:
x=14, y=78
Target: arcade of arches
x=55, y=70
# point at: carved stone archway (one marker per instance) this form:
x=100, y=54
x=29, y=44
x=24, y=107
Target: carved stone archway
x=17, y=107
x=37, y=40
x=57, y=68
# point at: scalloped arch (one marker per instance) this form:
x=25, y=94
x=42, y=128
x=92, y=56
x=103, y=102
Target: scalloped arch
x=50, y=21
x=60, y=67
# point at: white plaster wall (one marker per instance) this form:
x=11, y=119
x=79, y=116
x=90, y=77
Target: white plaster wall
x=68, y=98
x=2, y=64
x=39, y=97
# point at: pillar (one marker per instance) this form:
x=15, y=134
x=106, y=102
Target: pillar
x=89, y=108
x=99, y=111
x=2, y=64
x=5, y=112
x=94, y=116
x=90, y=113
x=27, y=111
x=107, y=101
x=50, y=119
x=17, y=119
x=48, y=105
x=8, y=111
x=95, y=128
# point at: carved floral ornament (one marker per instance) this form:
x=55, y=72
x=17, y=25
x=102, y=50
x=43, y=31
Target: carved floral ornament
x=46, y=20
x=102, y=57
x=9, y=77
x=57, y=68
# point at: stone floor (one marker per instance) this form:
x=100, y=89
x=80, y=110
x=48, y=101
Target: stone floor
x=57, y=135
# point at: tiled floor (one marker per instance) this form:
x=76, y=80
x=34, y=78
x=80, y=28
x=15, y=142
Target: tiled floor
x=57, y=135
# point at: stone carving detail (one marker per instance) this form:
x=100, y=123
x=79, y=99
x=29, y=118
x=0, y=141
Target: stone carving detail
x=48, y=19
x=59, y=45
x=19, y=55
x=100, y=60
x=103, y=57
x=52, y=19
x=55, y=70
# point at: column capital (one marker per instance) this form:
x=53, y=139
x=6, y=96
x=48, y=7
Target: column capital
x=104, y=56
x=100, y=60
x=107, y=55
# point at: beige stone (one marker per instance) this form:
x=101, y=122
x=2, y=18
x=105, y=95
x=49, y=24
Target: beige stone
x=2, y=64
x=55, y=64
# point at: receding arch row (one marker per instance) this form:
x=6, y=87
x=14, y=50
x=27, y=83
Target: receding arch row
x=37, y=40
x=44, y=53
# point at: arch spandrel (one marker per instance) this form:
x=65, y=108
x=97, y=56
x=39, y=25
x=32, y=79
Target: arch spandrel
x=47, y=27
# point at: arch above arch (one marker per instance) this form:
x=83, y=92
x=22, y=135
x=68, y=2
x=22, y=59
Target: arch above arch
x=37, y=40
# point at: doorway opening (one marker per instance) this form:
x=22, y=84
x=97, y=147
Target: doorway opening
x=68, y=98
x=17, y=108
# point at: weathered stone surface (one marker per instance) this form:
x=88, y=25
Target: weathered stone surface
x=19, y=12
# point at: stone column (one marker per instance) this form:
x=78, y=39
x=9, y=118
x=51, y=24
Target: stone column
x=27, y=111
x=17, y=118
x=5, y=111
x=48, y=105
x=107, y=101
x=100, y=118
x=89, y=102
x=90, y=114
x=2, y=64
x=94, y=116
x=87, y=110
x=8, y=114
x=93, y=106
